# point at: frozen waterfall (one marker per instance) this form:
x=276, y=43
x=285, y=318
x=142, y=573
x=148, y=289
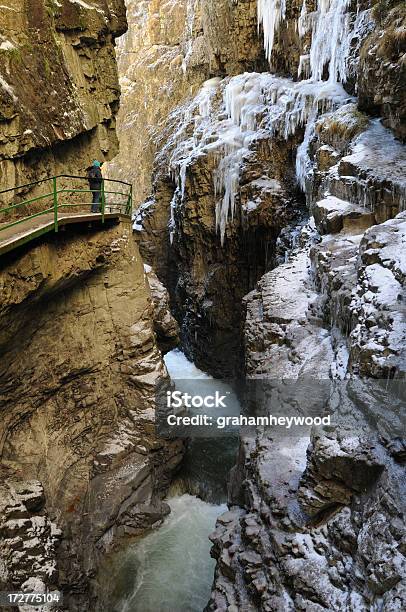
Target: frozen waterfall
x=227, y=116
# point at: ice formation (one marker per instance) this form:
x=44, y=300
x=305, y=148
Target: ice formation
x=249, y=103
x=330, y=40
x=190, y=18
x=330, y=26
x=8, y=89
x=270, y=15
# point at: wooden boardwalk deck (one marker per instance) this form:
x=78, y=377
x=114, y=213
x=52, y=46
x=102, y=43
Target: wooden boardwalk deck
x=17, y=235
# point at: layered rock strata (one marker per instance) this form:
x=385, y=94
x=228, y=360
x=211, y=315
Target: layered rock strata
x=171, y=48
x=165, y=325
x=59, y=90
x=80, y=369
x=323, y=525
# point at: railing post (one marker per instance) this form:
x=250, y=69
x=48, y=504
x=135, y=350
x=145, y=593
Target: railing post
x=103, y=200
x=55, y=192
x=130, y=201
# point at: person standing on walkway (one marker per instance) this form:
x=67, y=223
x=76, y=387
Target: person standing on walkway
x=95, y=179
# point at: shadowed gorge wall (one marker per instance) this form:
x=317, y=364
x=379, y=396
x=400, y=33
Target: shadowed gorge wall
x=81, y=466
x=265, y=141
x=80, y=369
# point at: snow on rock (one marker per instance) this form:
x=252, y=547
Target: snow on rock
x=252, y=103
x=379, y=160
x=6, y=45
x=29, y=539
x=8, y=89
x=85, y=5
x=378, y=340
x=332, y=215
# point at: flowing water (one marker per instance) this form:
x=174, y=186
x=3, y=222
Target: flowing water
x=170, y=569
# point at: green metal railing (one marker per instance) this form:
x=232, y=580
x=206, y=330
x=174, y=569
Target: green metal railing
x=110, y=201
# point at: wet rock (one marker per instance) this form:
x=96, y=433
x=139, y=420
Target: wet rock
x=29, y=539
x=315, y=507
x=165, y=325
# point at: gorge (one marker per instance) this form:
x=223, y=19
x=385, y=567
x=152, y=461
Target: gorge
x=265, y=141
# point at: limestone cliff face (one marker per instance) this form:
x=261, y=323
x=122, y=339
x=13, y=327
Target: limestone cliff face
x=80, y=369
x=165, y=324
x=383, y=68
x=59, y=90
x=171, y=48
x=305, y=518
x=208, y=264
x=80, y=464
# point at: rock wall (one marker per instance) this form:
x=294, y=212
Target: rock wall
x=207, y=274
x=81, y=465
x=382, y=68
x=223, y=148
x=305, y=519
x=171, y=48
x=321, y=525
x=59, y=91
x=165, y=325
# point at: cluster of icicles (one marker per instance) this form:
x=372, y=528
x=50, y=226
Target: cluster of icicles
x=330, y=27
x=252, y=102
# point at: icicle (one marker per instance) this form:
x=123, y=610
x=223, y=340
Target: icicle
x=304, y=68
x=204, y=98
x=198, y=111
x=190, y=18
x=244, y=102
x=304, y=165
x=302, y=22
x=330, y=33
x=262, y=101
x=270, y=14
x=172, y=222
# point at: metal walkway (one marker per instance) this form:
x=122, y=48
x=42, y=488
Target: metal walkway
x=30, y=229
x=23, y=220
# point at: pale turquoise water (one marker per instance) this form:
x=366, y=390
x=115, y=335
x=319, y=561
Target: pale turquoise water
x=170, y=569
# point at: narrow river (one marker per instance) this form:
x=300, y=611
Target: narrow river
x=170, y=569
